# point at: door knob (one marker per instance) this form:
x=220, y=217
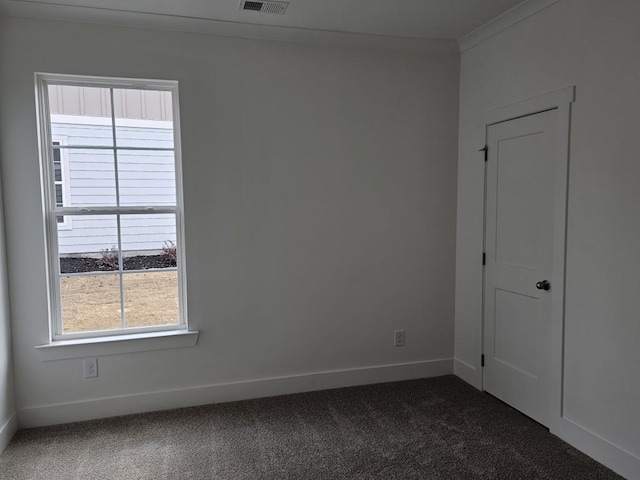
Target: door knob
x=543, y=285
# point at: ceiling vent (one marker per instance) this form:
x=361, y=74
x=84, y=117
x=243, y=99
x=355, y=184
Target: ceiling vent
x=265, y=7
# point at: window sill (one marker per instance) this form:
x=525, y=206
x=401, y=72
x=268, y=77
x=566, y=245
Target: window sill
x=117, y=344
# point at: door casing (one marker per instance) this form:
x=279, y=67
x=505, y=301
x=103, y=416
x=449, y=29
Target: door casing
x=560, y=100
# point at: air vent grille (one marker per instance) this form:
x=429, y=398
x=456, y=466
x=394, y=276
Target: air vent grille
x=277, y=8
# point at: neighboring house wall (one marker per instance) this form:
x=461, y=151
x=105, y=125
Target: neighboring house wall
x=95, y=102
x=146, y=178
x=593, y=45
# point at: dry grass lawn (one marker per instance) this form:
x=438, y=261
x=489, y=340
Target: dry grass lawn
x=92, y=302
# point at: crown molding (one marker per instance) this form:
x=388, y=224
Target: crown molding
x=503, y=22
x=101, y=16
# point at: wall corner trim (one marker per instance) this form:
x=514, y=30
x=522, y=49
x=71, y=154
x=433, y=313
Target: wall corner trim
x=8, y=430
x=503, y=22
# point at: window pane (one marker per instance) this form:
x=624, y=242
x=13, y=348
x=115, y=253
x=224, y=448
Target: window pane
x=90, y=302
x=92, y=178
x=146, y=178
x=113, y=147
x=59, y=202
x=57, y=171
x=81, y=114
x=148, y=241
x=150, y=299
x=90, y=245
x=144, y=118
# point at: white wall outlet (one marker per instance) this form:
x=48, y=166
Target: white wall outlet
x=398, y=338
x=90, y=367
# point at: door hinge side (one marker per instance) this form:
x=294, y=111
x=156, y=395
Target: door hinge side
x=485, y=149
x=484, y=258
x=482, y=360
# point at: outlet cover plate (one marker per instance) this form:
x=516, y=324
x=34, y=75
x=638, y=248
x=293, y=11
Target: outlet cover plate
x=90, y=367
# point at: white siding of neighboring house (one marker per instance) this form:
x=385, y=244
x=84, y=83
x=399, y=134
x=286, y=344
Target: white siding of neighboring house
x=96, y=102
x=145, y=178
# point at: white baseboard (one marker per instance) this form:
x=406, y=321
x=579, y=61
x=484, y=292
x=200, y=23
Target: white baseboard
x=8, y=430
x=600, y=449
x=613, y=456
x=468, y=373
x=227, y=392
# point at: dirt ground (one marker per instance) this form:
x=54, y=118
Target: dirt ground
x=92, y=302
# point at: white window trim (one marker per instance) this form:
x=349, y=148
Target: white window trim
x=116, y=345
x=67, y=223
x=56, y=335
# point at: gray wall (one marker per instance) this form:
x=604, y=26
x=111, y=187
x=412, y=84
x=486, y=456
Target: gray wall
x=593, y=45
x=8, y=421
x=320, y=191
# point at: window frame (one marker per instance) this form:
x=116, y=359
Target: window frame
x=66, y=223
x=51, y=211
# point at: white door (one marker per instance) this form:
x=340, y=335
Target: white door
x=521, y=161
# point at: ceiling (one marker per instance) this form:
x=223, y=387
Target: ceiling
x=442, y=19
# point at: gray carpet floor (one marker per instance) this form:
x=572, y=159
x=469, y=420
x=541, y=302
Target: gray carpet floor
x=437, y=428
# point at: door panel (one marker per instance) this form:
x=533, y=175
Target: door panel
x=517, y=237
x=511, y=340
x=519, y=240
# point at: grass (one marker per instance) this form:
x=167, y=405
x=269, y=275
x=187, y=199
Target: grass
x=92, y=302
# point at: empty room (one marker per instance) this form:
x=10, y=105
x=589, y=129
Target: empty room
x=314, y=239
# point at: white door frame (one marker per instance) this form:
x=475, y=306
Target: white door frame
x=560, y=100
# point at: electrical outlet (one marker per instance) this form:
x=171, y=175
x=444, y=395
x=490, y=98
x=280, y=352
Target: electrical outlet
x=90, y=367
x=398, y=338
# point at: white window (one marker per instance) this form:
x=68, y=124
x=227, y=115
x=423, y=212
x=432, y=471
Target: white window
x=112, y=190
x=61, y=179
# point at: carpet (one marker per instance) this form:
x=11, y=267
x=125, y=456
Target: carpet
x=437, y=428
